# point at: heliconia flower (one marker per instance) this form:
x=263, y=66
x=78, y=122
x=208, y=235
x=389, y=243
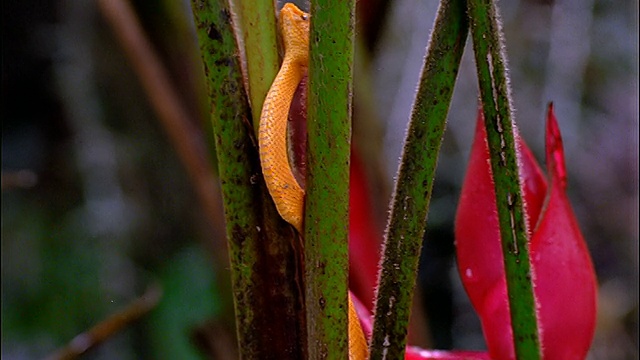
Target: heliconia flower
x=563, y=274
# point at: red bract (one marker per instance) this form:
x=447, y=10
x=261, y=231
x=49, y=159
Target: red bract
x=564, y=278
x=364, y=244
x=414, y=353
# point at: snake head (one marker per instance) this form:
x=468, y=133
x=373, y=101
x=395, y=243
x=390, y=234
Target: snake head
x=294, y=27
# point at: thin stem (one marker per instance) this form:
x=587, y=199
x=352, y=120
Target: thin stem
x=166, y=101
x=496, y=103
x=90, y=339
x=410, y=205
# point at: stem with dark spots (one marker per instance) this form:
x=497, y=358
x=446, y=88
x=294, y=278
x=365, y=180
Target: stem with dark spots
x=328, y=154
x=415, y=181
x=496, y=103
x=265, y=271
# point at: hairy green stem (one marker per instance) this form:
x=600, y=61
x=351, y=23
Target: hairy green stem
x=405, y=230
x=327, y=203
x=496, y=103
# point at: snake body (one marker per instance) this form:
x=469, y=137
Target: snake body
x=283, y=187
x=287, y=194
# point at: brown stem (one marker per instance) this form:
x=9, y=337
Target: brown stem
x=95, y=336
x=165, y=100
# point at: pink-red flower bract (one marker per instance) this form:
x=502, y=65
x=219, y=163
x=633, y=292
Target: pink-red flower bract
x=563, y=274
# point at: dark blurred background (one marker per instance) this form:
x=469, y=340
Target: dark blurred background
x=97, y=206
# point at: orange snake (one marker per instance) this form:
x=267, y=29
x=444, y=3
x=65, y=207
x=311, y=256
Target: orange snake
x=282, y=185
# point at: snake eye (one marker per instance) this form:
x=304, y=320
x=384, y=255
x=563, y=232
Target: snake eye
x=304, y=17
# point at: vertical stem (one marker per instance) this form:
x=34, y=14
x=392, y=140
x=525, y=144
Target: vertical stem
x=415, y=181
x=259, y=35
x=264, y=270
x=327, y=204
x=496, y=103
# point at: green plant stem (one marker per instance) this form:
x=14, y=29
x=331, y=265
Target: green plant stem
x=496, y=104
x=405, y=230
x=265, y=273
x=261, y=49
x=327, y=203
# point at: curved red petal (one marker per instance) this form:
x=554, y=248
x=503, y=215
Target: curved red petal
x=364, y=315
x=564, y=279
x=364, y=242
x=534, y=184
x=555, y=150
x=476, y=227
x=478, y=249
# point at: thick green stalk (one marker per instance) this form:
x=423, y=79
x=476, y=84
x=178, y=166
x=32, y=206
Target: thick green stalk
x=415, y=181
x=496, y=103
x=269, y=309
x=259, y=36
x=327, y=203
